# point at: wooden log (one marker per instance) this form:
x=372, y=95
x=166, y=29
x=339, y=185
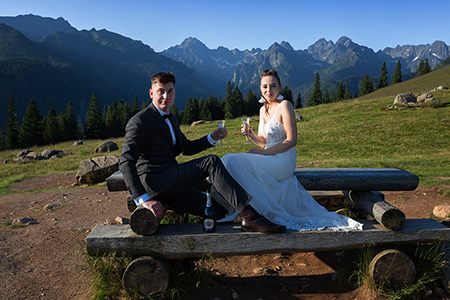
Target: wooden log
x=188, y=240
x=356, y=179
x=394, y=267
x=387, y=215
x=146, y=276
x=331, y=179
x=116, y=183
x=143, y=221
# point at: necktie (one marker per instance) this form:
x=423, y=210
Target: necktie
x=168, y=116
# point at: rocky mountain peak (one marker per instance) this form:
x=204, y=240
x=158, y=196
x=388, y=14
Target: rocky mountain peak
x=345, y=41
x=192, y=42
x=286, y=45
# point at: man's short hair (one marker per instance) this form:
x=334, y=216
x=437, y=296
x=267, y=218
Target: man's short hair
x=163, y=78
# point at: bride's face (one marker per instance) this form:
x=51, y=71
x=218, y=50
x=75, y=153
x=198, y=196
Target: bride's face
x=270, y=88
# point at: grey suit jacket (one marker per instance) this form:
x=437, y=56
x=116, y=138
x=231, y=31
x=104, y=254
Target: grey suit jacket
x=148, y=154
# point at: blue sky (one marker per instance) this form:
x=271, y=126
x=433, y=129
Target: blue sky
x=250, y=24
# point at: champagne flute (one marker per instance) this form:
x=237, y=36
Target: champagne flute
x=220, y=127
x=246, y=123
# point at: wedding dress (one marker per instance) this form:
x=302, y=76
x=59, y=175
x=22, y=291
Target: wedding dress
x=276, y=192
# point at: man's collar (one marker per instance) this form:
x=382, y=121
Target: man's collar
x=162, y=113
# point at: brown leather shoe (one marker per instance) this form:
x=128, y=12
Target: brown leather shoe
x=261, y=225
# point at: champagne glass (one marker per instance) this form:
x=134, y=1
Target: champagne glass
x=246, y=123
x=220, y=127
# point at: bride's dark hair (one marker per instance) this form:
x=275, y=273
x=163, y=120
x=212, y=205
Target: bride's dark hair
x=273, y=73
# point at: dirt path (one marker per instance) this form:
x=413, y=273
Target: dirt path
x=44, y=260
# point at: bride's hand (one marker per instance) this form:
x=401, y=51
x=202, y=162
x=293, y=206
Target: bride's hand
x=256, y=151
x=247, y=132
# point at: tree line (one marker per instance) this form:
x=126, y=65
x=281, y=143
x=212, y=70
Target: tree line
x=342, y=93
x=36, y=130
x=367, y=84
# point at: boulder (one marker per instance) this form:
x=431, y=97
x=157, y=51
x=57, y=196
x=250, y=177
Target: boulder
x=404, y=99
x=97, y=169
x=442, y=87
x=199, y=122
x=421, y=98
x=76, y=143
x=106, y=147
x=432, y=102
x=442, y=211
x=23, y=153
x=34, y=156
x=50, y=153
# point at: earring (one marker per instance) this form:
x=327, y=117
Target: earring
x=280, y=97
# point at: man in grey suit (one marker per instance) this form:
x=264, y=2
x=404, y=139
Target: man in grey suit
x=153, y=177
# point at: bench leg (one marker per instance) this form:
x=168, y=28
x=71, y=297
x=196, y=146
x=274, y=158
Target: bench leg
x=146, y=276
x=393, y=266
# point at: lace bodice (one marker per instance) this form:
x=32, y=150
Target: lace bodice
x=273, y=131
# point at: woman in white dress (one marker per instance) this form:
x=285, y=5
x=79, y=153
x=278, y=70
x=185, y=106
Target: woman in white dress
x=267, y=173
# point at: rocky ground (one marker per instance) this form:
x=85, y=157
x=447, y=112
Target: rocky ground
x=44, y=258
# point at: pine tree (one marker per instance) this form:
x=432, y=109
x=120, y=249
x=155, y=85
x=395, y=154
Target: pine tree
x=187, y=113
x=174, y=110
x=195, y=109
x=68, y=123
x=383, y=77
x=52, y=132
x=11, y=139
x=112, y=122
x=316, y=97
x=134, y=106
x=347, y=94
x=214, y=106
x=340, y=92
x=397, y=73
x=94, y=127
x=420, y=68
x=233, y=103
x=298, y=101
x=251, y=104
x=205, y=112
x=286, y=92
x=326, y=97
x=124, y=116
x=31, y=131
x=2, y=140
x=367, y=86
x=426, y=67
x=333, y=96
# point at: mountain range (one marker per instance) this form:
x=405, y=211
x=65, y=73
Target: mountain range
x=52, y=62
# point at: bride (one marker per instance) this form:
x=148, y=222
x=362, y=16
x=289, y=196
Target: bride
x=268, y=174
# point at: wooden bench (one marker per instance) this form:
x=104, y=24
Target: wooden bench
x=360, y=186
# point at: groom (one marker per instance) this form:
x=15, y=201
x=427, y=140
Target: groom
x=154, y=178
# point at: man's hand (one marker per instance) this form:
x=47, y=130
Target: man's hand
x=215, y=134
x=155, y=207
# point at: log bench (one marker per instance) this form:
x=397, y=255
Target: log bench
x=361, y=186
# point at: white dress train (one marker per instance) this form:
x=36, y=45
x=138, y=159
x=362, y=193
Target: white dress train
x=275, y=190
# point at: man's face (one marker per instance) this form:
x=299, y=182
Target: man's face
x=163, y=95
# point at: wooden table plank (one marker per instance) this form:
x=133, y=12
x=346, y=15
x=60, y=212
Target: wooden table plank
x=188, y=240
